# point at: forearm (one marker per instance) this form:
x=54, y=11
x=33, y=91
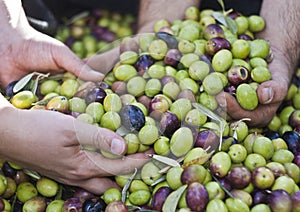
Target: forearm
x=283, y=29
x=153, y=10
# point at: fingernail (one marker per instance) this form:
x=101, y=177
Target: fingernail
x=117, y=146
x=267, y=95
x=97, y=73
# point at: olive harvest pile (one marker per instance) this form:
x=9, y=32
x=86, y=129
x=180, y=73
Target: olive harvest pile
x=161, y=95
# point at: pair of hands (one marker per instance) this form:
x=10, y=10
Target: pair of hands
x=50, y=143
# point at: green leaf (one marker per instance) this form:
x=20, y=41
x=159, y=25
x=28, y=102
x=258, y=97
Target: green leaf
x=220, y=17
x=172, y=200
x=22, y=82
x=165, y=160
x=213, y=116
x=231, y=24
x=222, y=4
x=125, y=188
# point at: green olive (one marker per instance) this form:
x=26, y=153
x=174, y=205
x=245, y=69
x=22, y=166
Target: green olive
x=222, y=60
x=246, y=96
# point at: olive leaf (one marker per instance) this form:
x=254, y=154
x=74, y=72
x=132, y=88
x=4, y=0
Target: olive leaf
x=231, y=25
x=199, y=160
x=220, y=17
x=213, y=116
x=23, y=82
x=222, y=4
x=159, y=180
x=165, y=160
x=221, y=185
x=172, y=200
x=126, y=186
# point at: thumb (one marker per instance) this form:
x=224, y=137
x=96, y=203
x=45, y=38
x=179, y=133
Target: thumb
x=69, y=61
x=100, y=138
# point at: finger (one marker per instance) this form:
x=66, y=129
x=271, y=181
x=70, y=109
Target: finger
x=67, y=60
x=258, y=117
x=97, y=185
x=111, y=167
x=100, y=138
x=274, y=90
x=104, y=62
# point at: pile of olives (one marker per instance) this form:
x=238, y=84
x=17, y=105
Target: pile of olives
x=89, y=31
x=161, y=95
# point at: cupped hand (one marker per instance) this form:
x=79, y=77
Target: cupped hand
x=51, y=143
x=270, y=94
x=24, y=50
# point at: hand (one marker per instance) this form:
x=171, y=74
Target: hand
x=270, y=94
x=51, y=144
x=24, y=50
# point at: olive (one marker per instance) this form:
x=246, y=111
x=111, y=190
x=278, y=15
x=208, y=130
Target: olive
x=170, y=40
x=58, y=103
x=214, y=45
x=143, y=63
x=94, y=205
x=237, y=75
x=168, y=124
x=132, y=117
x=95, y=94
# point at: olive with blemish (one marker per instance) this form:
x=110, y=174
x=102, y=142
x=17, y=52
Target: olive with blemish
x=170, y=40
x=237, y=75
x=132, y=117
x=58, y=103
x=214, y=45
x=212, y=31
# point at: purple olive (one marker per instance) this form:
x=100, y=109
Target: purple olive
x=197, y=197
x=259, y=196
x=239, y=177
x=172, y=57
x=168, y=124
x=237, y=75
x=159, y=197
x=8, y=170
x=95, y=94
x=158, y=105
x=294, y=119
x=143, y=63
x=296, y=159
x=296, y=200
x=94, y=205
x=292, y=140
x=280, y=200
x=170, y=40
x=215, y=44
x=245, y=37
x=73, y=204
x=9, y=89
x=207, y=138
x=212, y=31
x=132, y=117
